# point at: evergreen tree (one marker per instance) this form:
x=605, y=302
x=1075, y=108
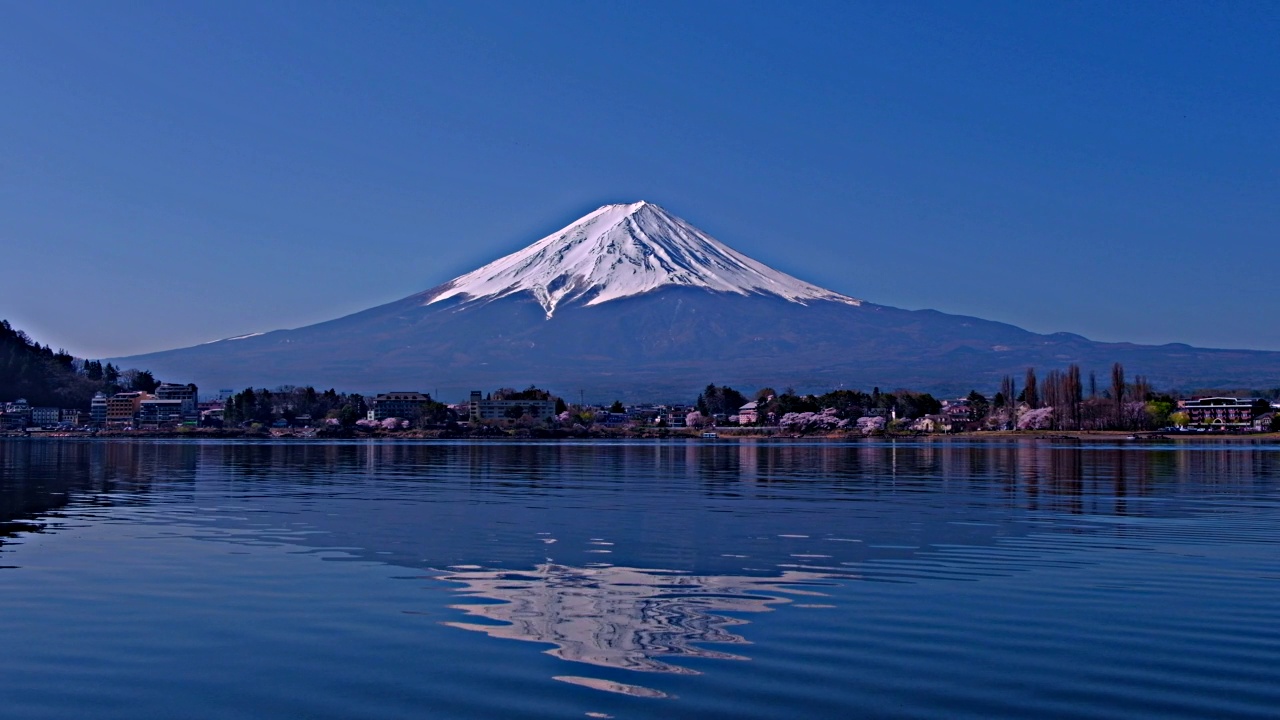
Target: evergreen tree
x=1030, y=393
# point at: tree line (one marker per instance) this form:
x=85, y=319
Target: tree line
x=1064, y=399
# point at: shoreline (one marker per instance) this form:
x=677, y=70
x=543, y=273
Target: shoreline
x=1082, y=437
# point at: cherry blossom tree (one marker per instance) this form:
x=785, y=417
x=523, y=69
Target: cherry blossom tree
x=1037, y=419
x=696, y=419
x=827, y=419
x=871, y=424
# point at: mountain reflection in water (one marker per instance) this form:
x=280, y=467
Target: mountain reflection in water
x=159, y=579
x=623, y=617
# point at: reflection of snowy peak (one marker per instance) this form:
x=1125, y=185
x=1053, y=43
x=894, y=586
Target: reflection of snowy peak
x=624, y=250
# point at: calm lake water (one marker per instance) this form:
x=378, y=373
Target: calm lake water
x=686, y=579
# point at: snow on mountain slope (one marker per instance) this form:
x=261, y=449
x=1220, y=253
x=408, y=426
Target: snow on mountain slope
x=624, y=250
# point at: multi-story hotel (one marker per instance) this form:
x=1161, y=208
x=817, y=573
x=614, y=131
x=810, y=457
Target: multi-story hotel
x=482, y=409
x=406, y=405
x=1220, y=412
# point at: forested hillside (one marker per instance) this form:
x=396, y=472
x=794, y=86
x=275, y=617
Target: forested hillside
x=45, y=377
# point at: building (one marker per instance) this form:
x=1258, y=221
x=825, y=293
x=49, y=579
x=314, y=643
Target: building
x=1219, y=412
x=406, y=405
x=45, y=416
x=643, y=414
x=98, y=409
x=16, y=414
x=605, y=418
x=74, y=417
x=958, y=411
x=932, y=423
x=155, y=412
x=749, y=414
x=675, y=416
x=122, y=408
x=188, y=394
x=482, y=409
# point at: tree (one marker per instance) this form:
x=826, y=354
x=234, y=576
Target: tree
x=1030, y=394
x=144, y=381
x=1074, y=395
x=978, y=405
x=435, y=413
x=722, y=400
x=1038, y=419
x=617, y=407
x=1117, y=393
x=870, y=424
x=695, y=419
x=349, y=415
x=1008, y=389
x=1159, y=413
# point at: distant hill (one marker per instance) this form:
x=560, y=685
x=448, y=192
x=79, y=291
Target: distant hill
x=632, y=302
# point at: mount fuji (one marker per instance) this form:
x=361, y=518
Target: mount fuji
x=632, y=302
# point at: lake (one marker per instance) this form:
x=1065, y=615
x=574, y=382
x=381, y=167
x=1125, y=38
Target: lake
x=166, y=579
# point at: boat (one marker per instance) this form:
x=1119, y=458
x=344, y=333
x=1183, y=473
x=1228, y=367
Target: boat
x=709, y=436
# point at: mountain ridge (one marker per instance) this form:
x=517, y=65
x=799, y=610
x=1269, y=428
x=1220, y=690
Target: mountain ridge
x=580, y=310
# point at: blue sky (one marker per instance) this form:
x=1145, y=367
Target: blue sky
x=172, y=173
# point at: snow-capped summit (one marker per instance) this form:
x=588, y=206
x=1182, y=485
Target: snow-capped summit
x=622, y=250
x=694, y=311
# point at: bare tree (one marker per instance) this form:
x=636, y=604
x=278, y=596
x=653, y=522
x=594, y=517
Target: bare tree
x=1117, y=393
x=1030, y=395
x=1073, y=395
x=1052, y=395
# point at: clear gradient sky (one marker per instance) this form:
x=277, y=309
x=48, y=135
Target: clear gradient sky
x=172, y=173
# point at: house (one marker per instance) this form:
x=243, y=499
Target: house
x=932, y=423
x=958, y=411
x=749, y=414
